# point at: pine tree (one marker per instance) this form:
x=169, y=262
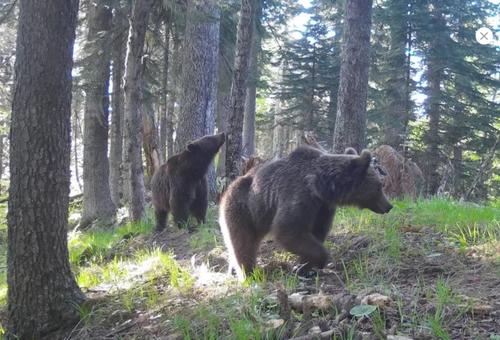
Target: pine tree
x=238, y=89
x=42, y=293
x=460, y=86
x=350, y=124
x=97, y=202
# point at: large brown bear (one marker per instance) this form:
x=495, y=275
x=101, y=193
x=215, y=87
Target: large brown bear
x=180, y=185
x=294, y=199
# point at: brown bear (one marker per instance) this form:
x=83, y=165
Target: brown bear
x=251, y=163
x=180, y=185
x=294, y=199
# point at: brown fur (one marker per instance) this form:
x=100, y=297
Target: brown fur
x=251, y=163
x=180, y=185
x=294, y=199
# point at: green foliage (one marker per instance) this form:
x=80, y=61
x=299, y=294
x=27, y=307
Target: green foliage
x=362, y=310
x=478, y=224
x=95, y=246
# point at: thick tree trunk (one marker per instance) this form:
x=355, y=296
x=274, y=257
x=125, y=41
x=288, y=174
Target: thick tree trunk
x=251, y=95
x=164, y=88
x=238, y=89
x=350, y=125
x=133, y=108
x=199, y=72
x=97, y=203
x=117, y=103
x=42, y=293
x=199, y=77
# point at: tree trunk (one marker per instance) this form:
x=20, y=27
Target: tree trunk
x=350, y=124
x=433, y=139
x=43, y=295
x=164, y=88
x=238, y=89
x=133, y=108
x=77, y=103
x=222, y=109
x=1, y=160
x=199, y=72
x=172, y=99
x=250, y=99
x=199, y=77
x=434, y=78
x=116, y=145
x=97, y=203
x=396, y=116
x=152, y=150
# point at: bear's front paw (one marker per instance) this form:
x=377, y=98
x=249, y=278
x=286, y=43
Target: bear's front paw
x=304, y=271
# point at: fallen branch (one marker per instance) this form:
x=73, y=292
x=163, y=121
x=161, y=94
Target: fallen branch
x=323, y=335
x=126, y=325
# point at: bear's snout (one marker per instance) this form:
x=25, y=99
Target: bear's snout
x=382, y=207
x=388, y=208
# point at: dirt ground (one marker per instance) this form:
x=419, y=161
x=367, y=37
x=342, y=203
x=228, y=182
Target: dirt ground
x=428, y=290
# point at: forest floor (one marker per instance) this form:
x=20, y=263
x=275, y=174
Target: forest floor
x=429, y=269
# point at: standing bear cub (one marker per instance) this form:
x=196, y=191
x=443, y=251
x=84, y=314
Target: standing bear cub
x=294, y=199
x=180, y=185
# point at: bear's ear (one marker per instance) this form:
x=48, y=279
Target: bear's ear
x=350, y=151
x=192, y=147
x=362, y=163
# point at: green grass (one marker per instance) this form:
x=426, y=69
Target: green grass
x=96, y=245
x=140, y=278
x=465, y=224
x=205, y=238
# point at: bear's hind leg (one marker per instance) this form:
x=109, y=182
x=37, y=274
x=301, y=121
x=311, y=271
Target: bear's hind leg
x=161, y=219
x=241, y=241
x=200, y=202
x=180, y=212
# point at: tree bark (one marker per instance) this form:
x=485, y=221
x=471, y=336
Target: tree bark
x=434, y=78
x=222, y=109
x=2, y=137
x=77, y=102
x=397, y=115
x=172, y=98
x=97, y=202
x=152, y=150
x=199, y=77
x=251, y=95
x=199, y=72
x=117, y=104
x=43, y=293
x=133, y=108
x=350, y=124
x=164, y=87
x=238, y=89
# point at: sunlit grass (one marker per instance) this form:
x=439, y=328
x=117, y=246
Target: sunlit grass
x=467, y=224
x=94, y=246
x=164, y=263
